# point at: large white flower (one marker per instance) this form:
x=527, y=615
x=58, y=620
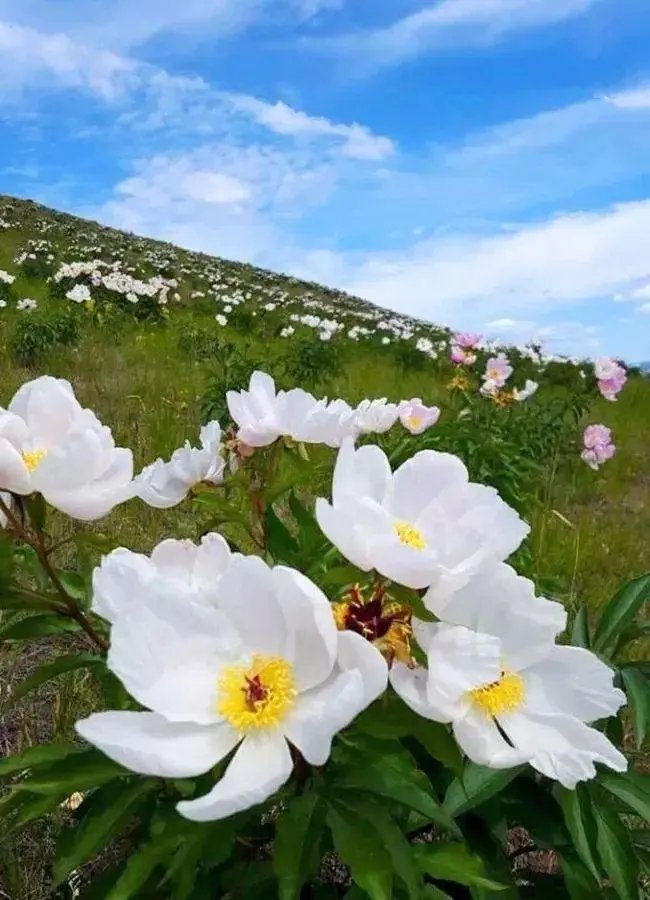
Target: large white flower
x=511, y=694
x=425, y=524
x=165, y=484
x=256, y=411
x=249, y=659
x=49, y=443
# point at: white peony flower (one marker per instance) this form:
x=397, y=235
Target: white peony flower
x=424, y=524
x=375, y=416
x=80, y=293
x=527, y=391
x=249, y=658
x=165, y=484
x=511, y=694
x=255, y=411
x=48, y=443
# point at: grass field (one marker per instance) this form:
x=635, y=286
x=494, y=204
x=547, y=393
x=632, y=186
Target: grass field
x=147, y=381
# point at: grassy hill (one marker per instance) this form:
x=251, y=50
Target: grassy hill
x=153, y=368
x=153, y=372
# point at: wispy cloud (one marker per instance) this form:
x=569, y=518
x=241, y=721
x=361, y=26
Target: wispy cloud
x=358, y=141
x=447, y=24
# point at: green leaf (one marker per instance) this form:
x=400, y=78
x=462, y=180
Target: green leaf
x=279, y=540
x=478, y=784
x=377, y=818
x=455, y=862
x=361, y=847
x=580, y=631
x=74, y=585
x=37, y=626
x=91, y=769
x=632, y=788
x=438, y=742
x=138, y=870
x=103, y=815
x=616, y=852
x=297, y=841
x=19, y=808
x=396, y=778
x=637, y=688
x=580, y=883
x=19, y=600
x=38, y=755
x=619, y=613
x=578, y=816
x=50, y=670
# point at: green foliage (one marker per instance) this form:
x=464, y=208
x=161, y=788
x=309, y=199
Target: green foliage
x=36, y=336
x=312, y=362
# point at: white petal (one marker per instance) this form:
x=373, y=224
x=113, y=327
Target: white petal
x=498, y=601
x=246, y=594
x=310, y=627
x=479, y=737
x=460, y=660
x=561, y=747
x=146, y=743
x=14, y=474
x=411, y=685
x=403, y=564
x=261, y=765
x=360, y=473
x=203, y=565
x=117, y=580
x=49, y=408
x=421, y=479
x=358, y=679
x=340, y=530
x=574, y=682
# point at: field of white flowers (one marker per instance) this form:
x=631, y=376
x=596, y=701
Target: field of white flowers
x=301, y=598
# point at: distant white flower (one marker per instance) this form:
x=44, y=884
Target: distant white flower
x=287, y=331
x=425, y=524
x=165, y=484
x=28, y=305
x=511, y=694
x=48, y=443
x=375, y=416
x=221, y=320
x=527, y=391
x=3, y=303
x=248, y=659
x=416, y=417
x=6, y=278
x=80, y=293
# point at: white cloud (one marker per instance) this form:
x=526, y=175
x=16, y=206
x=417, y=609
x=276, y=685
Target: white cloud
x=636, y=98
x=644, y=308
x=567, y=259
x=358, y=141
x=30, y=58
x=449, y=23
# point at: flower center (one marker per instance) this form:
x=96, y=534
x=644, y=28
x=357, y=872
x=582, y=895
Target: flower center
x=33, y=458
x=414, y=421
x=256, y=696
x=410, y=536
x=505, y=695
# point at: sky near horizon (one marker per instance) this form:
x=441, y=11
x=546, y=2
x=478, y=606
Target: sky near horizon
x=483, y=164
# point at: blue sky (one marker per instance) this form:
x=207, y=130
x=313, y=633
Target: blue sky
x=479, y=163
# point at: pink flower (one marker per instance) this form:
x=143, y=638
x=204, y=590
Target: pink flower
x=467, y=340
x=460, y=357
x=416, y=417
x=498, y=370
x=598, y=446
x=611, y=377
x=595, y=435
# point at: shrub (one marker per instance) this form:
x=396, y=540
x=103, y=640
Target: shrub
x=36, y=337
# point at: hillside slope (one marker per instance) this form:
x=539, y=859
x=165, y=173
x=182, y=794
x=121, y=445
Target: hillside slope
x=166, y=331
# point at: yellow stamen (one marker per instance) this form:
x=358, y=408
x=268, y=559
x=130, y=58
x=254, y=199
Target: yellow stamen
x=256, y=696
x=505, y=695
x=410, y=536
x=340, y=611
x=414, y=421
x=33, y=458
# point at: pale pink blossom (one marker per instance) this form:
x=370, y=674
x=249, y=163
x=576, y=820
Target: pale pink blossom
x=416, y=417
x=611, y=377
x=498, y=370
x=467, y=340
x=461, y=357
x=598, y=446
